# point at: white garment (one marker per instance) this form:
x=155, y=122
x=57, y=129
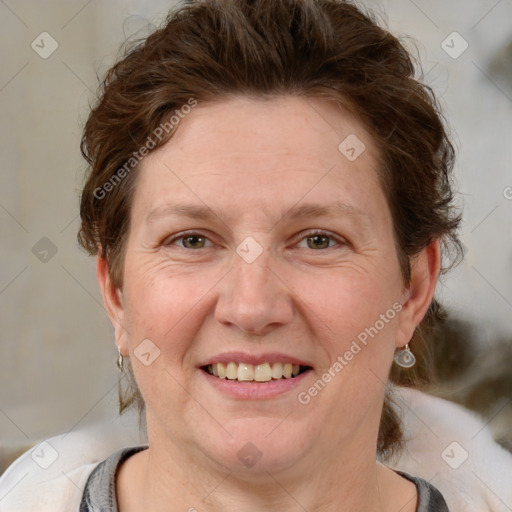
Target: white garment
x=454, y=450
x=475, y=474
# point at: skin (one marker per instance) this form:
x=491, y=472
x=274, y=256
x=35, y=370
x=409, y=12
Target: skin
x=250, y=161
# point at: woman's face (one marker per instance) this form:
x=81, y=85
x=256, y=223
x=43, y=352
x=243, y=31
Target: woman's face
x=257, y=238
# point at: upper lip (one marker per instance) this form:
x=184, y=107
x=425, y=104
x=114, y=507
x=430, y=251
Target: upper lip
x=244, y=357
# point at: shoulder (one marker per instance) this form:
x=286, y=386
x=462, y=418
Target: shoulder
x=100, y=489
x=453, y=449
x=51, y=476
x=27, y=486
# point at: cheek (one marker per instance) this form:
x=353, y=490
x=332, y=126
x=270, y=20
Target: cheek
x=355, y=318
x=348, y=299
x=157, y=295
x=159, y=319
x=166, y=304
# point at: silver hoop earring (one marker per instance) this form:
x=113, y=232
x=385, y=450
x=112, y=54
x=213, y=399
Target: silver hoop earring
x=120, y=360
x=405, y=358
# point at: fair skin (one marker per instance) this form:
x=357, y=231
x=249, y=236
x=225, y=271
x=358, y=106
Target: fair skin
x=249, y=162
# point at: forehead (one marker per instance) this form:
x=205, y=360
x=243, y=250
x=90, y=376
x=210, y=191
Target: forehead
x=258, y=153
x=298, y=126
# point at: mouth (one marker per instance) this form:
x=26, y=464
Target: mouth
x=257, y=373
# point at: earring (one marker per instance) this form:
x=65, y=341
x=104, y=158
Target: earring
x=405, y=358
x=120, y=360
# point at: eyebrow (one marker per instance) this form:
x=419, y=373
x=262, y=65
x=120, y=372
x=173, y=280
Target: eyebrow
x=310, y=210
x=337, y=209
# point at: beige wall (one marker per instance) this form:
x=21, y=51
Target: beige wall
x=57, y=359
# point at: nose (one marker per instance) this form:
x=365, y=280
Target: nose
x=253, y=298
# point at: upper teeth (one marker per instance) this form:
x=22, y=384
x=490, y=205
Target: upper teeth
x=260, y=372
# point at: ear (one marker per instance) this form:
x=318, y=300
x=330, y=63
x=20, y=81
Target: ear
x=425, y=268
x=112, y=298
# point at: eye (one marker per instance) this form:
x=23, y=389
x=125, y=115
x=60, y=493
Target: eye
x=315, y=239
x=320, y=240
x=188, y=241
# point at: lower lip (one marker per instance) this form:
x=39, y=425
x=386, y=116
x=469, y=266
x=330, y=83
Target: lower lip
x=255, y=390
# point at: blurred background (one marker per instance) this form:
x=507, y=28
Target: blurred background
x=57, y=356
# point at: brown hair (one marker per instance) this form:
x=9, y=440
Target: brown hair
x=212, y=49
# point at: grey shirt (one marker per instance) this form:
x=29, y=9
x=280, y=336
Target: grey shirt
x=100, y=490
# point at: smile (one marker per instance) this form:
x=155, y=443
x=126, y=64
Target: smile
x=245, y=372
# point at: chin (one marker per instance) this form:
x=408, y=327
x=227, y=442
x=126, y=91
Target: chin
x=259, y=446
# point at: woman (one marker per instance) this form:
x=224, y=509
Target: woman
x=286, y=191
x=269, y=200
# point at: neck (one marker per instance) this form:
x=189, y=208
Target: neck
x=350, y=482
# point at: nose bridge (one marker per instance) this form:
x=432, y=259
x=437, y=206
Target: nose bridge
x=253, y=298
